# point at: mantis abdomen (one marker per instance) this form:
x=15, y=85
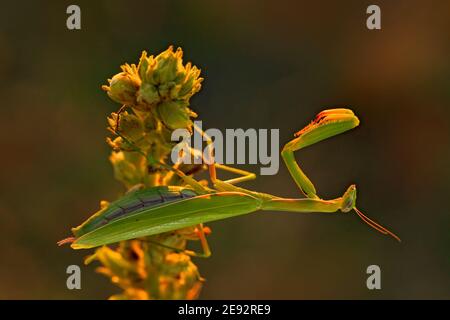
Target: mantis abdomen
x=133, y=203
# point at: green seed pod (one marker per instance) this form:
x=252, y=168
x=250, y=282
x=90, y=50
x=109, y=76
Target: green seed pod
x=122, y=88
x=186, y=88
x=169, y=65
x=175, y=114
x=143, y=66
x=165, y=90
x=191, y=83
x=148, y=94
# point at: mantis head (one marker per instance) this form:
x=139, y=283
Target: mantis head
x=349, y=203
x=349, y=199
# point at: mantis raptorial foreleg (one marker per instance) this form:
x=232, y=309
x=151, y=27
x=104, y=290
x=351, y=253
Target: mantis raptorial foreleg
x=328, y=123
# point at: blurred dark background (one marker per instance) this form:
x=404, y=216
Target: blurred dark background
x=267, y=65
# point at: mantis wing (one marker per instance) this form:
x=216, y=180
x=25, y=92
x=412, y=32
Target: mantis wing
x=173, y=216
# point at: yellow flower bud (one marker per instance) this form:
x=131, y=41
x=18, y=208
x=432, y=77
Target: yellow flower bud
x=191, y=83
x=122, y=88
x=114, y=264
x=127, y=172
x=131, y=126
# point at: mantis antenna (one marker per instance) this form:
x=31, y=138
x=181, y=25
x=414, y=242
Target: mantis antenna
x=375, y=225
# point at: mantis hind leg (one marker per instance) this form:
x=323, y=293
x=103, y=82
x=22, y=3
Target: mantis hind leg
x=327, y=123
x=244, y=175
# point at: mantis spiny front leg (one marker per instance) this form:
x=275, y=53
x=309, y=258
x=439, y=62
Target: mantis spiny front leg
x=327, y=123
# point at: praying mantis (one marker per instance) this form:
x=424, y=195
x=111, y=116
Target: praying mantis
x=155, y=210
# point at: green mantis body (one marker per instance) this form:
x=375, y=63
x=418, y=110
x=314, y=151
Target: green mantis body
x=156, y=210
